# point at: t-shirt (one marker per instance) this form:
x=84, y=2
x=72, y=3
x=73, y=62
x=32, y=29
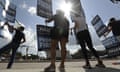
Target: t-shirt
x=18, y=37
x=60, y=22
x=80, y=23
x=115, y=27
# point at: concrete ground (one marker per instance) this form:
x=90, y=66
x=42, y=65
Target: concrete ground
x=71, y=66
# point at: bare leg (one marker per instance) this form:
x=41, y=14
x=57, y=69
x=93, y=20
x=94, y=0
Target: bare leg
x=51, y=67
x=53, y=52
x=63, y=42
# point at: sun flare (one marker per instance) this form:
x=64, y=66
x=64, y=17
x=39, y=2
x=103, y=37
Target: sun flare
x=66, y=7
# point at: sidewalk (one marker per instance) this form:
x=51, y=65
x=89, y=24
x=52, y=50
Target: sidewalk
x=70, y=67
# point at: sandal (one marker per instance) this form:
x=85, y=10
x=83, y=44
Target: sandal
x=49, y=69
x=62, y=69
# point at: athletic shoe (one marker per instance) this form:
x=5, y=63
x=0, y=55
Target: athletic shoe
x=87, y=67
x=100, y=65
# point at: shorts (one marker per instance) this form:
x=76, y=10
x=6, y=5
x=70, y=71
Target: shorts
x=57, y=33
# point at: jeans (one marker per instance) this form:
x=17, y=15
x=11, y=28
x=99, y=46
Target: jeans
x=14, y=46
x=84, y=39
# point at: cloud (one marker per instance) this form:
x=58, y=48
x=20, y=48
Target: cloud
x=32, y=10
x=24, y=5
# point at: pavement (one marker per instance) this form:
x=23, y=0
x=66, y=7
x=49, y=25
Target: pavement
x=70, y=66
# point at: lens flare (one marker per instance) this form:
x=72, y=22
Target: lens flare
x=66, y=7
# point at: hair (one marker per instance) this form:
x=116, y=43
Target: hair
x=59, y=12
x=21, y=28
x=112, y=19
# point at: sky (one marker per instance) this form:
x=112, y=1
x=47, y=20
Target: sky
x=26, y=14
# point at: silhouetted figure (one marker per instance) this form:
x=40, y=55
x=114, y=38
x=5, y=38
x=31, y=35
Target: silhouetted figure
x=84, y=39
x=1, y=28
x=114, y=26
x=59, y=33
x=18, y=38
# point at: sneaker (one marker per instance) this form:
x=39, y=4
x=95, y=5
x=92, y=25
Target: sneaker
x=100, y=65
x=87, y=67
x=49, y=69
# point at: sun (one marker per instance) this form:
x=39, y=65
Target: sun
x=66, y=7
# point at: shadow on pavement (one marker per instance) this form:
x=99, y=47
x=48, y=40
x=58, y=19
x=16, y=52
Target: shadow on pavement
x=107, y=69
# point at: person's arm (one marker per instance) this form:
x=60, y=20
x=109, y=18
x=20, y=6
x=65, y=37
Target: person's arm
x=49, y=19
x=108, y=31
x=6, y=23
x=23, y=39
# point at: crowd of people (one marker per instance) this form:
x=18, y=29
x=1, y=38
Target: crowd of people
x=60, y=33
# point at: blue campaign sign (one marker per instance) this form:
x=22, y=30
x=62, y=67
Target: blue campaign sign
x=43, y=37
x=44, y=8
x=99, y=25
x=111, y=44
x=11, y=13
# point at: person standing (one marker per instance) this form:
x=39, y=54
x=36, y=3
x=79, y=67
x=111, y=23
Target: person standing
x=114, y=26
x=59, y=33
x=84, y=39
x=17, y=39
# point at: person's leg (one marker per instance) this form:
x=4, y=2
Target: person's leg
x=80, y=38
x=52, y=66
x=90, y=46
x=5, y=48
x=12, y=58
x=84, y=51
x=63, y=42
x=53, y=51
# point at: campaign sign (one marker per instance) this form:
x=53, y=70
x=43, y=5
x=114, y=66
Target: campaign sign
x=111, y=44
x=11, y=13
x=43, y=37
x=44, y=8
x=99, y=25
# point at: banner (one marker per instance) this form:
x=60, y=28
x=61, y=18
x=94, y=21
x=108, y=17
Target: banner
x=2, y=3
x=111, y=44
x=11, y=13
x=44, y=8
x=43, y=37
x=99, y=26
